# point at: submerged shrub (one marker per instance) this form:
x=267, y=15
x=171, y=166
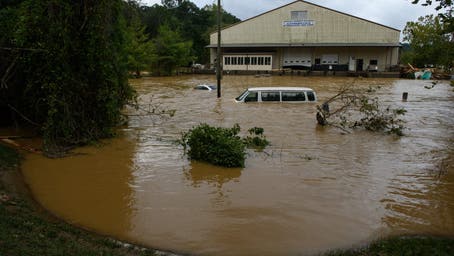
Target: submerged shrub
x=221, y=146
x=216, y=145
x=258, y=140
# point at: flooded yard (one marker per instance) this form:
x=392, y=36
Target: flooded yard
x=313, y=189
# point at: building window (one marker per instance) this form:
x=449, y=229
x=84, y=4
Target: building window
x=240, y=60
x=234, y=61
x=373, y=62
x=298, y=15
x=226, y=60
x=254, y=61
x=267, y=60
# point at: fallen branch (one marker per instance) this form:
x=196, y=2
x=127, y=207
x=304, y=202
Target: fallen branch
x=356, y=108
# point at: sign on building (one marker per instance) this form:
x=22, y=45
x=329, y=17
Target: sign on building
x=299, y=23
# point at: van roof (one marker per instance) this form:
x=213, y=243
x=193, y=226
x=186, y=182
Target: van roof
x=280, y=89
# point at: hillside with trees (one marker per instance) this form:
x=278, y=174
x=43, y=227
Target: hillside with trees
x=178, y=31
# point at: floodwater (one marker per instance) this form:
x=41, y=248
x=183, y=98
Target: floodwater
x=314, y=189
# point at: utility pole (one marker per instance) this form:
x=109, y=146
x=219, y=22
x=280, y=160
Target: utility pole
x=218, y=55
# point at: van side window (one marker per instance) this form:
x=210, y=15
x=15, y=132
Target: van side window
x=293, y=96
x=310, y=96
x=251, y=97
x=271, y=96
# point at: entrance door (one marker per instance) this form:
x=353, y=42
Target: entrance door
x=359, y=64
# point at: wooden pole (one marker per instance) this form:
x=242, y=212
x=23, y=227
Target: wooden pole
x=404, y=96
x=218, y=55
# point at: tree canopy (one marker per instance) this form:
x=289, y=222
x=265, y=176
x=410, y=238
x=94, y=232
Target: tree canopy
x=431, y=38
x=445, y=9
x=192, y=24
x=64, y=66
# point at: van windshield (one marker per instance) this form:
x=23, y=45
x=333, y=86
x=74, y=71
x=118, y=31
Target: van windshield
x=242, y=96
x=251, y=97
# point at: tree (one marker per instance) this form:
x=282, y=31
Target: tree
x=194, y=24
x=172, y=51
x=354, y=107
x=140, y=48
x=429, y=44
x=71, y=73
x=446, y=15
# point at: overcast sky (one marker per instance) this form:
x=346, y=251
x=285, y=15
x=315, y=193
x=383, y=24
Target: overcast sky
x=392, y=13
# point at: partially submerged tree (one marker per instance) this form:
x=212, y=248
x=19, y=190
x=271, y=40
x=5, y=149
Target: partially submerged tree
x=354, y=107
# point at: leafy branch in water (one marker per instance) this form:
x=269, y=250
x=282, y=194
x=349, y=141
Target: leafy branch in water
x=221, y=146
x=257, y=140
x=356, y=108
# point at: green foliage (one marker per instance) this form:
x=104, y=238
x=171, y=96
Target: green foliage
x=140, y=49
x=191, y=23
x=376, y=119
x=71, y=71
x=444, y=9
x=258, y=140
x=171, y=50
x=430, y=43
x=356, y=108
x=221, y=146
x=216, y=145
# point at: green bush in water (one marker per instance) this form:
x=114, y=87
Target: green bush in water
x=221, y=146
x=258, y=141
x=215, y=145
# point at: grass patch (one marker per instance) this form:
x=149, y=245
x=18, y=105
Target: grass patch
x=24, y=232
x=403, y=246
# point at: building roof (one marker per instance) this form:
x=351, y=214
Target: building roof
x=271, y=45
x=309, y=4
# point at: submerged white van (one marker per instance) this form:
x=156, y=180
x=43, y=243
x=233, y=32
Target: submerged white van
x=277, y=94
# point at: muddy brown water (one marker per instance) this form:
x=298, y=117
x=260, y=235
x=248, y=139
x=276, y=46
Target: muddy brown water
x=314, y=189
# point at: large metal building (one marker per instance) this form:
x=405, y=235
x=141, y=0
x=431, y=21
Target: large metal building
x=302, y=35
